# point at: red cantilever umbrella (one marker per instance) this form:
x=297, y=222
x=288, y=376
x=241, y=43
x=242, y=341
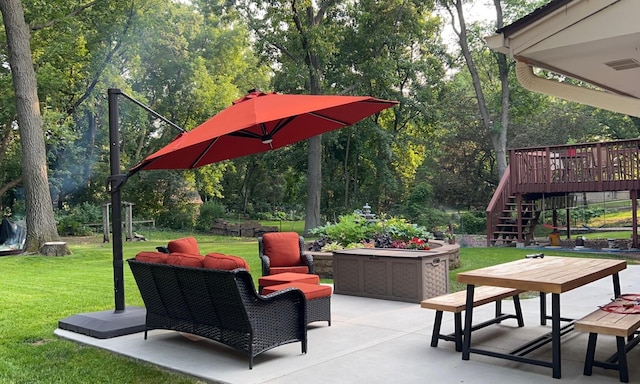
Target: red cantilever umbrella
x=259, y=122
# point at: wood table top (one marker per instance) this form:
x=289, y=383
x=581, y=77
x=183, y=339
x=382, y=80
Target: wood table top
x=551, y=274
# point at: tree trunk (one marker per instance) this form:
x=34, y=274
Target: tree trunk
x=313, y=64
x=314, y=184
x=500, y=138
x=497, y=130
x=41, y=226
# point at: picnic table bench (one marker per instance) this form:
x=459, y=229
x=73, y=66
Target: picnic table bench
x=622, y=326
x=456, y=302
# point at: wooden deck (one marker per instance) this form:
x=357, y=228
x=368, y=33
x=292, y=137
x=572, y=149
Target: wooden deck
x=591, y=167
x=546, y=178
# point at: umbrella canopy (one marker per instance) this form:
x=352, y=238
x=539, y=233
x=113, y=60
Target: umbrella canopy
x=260, y=122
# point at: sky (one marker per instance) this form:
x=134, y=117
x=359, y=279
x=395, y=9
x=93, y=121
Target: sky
x=475, y=11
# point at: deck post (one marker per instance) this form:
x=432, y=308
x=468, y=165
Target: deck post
x=519, y=219
x=634, y=218
x=567, y=210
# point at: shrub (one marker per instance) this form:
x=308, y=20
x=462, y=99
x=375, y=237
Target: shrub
x=350, y=228
x=183, y=219
x=400, y=229
x=70, y=222
x=353, y=231
x=209, y=211
x=474, y=222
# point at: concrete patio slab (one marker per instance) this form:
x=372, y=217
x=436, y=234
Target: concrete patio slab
x=380, y=341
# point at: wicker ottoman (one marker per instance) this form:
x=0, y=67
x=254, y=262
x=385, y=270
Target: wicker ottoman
x=287, y=277
x=318, y=299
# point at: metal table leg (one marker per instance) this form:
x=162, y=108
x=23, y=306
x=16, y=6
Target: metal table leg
x=555, y=335
x=468, y=320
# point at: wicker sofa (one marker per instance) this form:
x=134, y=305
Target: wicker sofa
x=220, y=305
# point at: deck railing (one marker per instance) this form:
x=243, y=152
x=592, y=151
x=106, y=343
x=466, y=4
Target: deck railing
x=590, y=167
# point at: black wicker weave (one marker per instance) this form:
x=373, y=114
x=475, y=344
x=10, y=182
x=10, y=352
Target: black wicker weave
x=220, y=305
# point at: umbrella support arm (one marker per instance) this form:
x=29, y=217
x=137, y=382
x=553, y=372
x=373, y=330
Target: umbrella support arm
x=146, y=108
x=115, y=183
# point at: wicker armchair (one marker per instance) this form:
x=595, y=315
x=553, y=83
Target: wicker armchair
x=220, y=305
x=283, y=252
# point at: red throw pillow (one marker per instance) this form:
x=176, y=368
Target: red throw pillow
x=184, y=245
x=216, y=260
x=185, y=259
x=283, y=248
x=152, y=257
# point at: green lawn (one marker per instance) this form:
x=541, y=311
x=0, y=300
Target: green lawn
x=37, y=291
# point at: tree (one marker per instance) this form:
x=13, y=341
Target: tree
x=494, y=122
x=298, y=37
x=494, y=117
x=41, y=225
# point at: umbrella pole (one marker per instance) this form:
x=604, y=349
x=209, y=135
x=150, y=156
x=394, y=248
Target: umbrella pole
x=108, y=324
x=114, y=183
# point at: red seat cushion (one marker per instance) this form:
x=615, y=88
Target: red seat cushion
x=152, y=257
x=185, y=259
x=294, y=269
x=184, y=245
x=311, y=291
x=282, y=278
x=216, y=260
x=283, y=248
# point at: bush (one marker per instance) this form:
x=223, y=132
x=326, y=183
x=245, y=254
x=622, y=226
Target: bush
x=349, y=229
x=209, y=211
x=353, y=230
x=400, y=229
x=183, y=219
x=474, y=222
x=70, y=222
x=70, y=226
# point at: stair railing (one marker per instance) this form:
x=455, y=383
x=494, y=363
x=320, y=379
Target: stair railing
x=497, y=204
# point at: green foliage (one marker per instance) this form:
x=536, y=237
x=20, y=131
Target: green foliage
x=348, y=229
x=585, y=214
x=189, y=60
x=353, y=229
x=70, y=221
x=178, y=219
x=210, y=211
x=401, y=229
x=473, y=222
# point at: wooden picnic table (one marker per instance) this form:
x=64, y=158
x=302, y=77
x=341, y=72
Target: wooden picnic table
x=549, y=274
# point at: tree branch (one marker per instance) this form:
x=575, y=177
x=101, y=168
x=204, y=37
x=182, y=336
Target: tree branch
x=10, y=185
x=73, y=13
x=106, y=61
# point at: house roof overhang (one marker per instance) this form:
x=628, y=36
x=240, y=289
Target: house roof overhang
x=594, y=41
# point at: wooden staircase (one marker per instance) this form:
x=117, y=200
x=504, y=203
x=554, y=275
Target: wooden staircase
x=506, y=229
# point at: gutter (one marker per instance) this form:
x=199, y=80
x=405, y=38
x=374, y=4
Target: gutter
x=595, y=98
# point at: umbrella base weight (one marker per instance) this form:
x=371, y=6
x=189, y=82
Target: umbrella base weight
x=106, y=324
